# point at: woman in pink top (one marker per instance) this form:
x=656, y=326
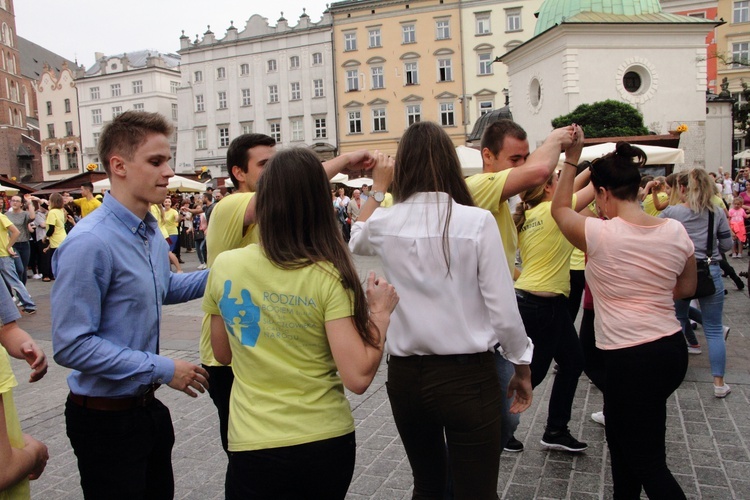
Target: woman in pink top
x=637, y=264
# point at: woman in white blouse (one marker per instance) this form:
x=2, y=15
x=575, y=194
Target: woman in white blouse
x=457, y=306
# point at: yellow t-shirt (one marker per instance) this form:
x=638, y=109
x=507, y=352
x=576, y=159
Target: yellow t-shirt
x=156, y=212
x=56, y=217
x=487, y=190
x=577, y=260
x=648, y=203
x=12, y=424
x=545, y=253
x=87, y=206
x=286, y=388
x=225, y=233
x=170, y=221
x=387, y=200
x=4, y=237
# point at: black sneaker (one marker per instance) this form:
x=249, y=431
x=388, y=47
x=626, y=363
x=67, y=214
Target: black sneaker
x=29, y=311
x=562, y=440
x=513, y=445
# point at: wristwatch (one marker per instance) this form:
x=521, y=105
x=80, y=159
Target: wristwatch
x=378, y=196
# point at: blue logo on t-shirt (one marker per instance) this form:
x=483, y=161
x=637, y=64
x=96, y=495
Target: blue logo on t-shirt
x=241, y=318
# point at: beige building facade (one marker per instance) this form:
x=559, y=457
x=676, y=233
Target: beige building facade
x=396, y=62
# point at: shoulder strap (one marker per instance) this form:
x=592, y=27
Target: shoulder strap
x=711, y=236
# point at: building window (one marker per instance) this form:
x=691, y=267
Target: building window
x=275, y=131
x=483, y=24
x=350, y=41
x=374, y=37
x=740, y=54
x=443, y=28
x=408, y=33
x=222, y=98
x=198, y=76
x=298, y=130
x=95, y=136
x=199, y=105
x=138, y=106
x=273, y=93
x=318, y=88
x=485, y=107
x=138, y=86
x=320, y=128
x=271, y=65
x=447, y=117
x=115, y=89
x=317, y=58
x=352, y=80
x=54, y=159
x=377, y=77
x=96, y=116
x=244, y=69
x=485, y=63
x=49, y=107
x=247, y=127
x=355, y=122
x=411, y=72
x=294, y=62
x=68, y=129
x=445, y=70
x=116, y=111
x=223, y=137
x=413, y=113
x=741, y=12
x=221, y=73
x=173, y=86
x=200, y=138
x=67, y=105
x=513, y=20
x=51, y=130
x=296, y=91
x=174, y=111
x=246, y=97
x=72, y=158
x=378, y=120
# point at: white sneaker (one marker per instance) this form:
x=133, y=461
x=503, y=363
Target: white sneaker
x=598, y=417
x=37, y=277
x=722, y=391
x=726, y=332
x=694, y=349
x=202, y=266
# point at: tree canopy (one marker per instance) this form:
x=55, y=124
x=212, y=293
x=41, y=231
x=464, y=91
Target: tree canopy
x=605, y=119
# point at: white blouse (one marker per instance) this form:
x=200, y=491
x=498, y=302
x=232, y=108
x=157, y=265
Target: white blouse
x=471, y=309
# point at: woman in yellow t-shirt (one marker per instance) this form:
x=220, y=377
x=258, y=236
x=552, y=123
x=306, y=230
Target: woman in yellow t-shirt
x=291, y=317
x=542, y=292
x=55, y=232
x=171, y=222
x=656, y=198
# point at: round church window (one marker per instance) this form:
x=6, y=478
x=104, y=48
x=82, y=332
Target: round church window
x=535, y=92
x=631, y=81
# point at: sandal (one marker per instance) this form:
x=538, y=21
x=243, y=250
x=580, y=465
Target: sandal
x=46, y=279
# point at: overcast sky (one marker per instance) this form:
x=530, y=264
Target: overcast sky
x=78, y=28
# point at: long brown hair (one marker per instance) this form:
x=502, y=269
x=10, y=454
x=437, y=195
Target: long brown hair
x=295, y=235
x=426, y=162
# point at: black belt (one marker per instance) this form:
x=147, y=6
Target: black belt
x=530, y=297
x=476, y=358
x=115, y=404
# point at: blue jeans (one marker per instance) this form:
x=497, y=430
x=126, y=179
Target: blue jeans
x=8, y=271
x=508, y=420
x=712, y=309
x=200, y=249
x=23, y=249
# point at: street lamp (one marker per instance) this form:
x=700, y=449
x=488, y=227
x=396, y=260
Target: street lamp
x=507, y=97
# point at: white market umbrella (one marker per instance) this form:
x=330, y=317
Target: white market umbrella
x=8, y=190
x=471, y=160
x=655, y=155
x=339, y=178
x=357, y=183
x=743, y=155
x=185, y=185
x=102, y=185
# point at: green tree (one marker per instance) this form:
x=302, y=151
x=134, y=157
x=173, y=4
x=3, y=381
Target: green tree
x=742, y=110
x=605, y=119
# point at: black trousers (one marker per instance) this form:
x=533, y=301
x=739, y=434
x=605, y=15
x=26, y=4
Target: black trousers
x=639, y=381
x=123, y=454
x=592, y=355
x=453, y=400
x=317, y=470
x=220, y=380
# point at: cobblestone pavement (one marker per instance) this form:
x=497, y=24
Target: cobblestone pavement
x=708, y=438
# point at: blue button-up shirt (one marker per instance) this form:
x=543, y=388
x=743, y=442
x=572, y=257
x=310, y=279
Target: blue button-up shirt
x=112, y=277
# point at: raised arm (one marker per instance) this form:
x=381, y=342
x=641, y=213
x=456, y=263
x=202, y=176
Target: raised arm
x=571, y=223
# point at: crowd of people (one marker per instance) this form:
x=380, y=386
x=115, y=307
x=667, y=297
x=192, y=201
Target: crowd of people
x=483, y=278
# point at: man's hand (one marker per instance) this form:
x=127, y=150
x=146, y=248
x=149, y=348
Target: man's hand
x=520, y=385
x=361, y=160
x=187, y=377
x=564, y=136
x=36, y=359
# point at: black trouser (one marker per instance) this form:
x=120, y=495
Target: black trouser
x=727, y=269
x=321, y=469
x=639, y=381
x=549, y=326
x=577, y=285
x=454, y=399
x=123, y=454
x=593, y=357
x=220, y=380
x=47, y=263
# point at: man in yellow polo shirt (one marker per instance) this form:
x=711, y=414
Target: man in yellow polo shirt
x=507, y=170
x=87, y=202
x=232, y=225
